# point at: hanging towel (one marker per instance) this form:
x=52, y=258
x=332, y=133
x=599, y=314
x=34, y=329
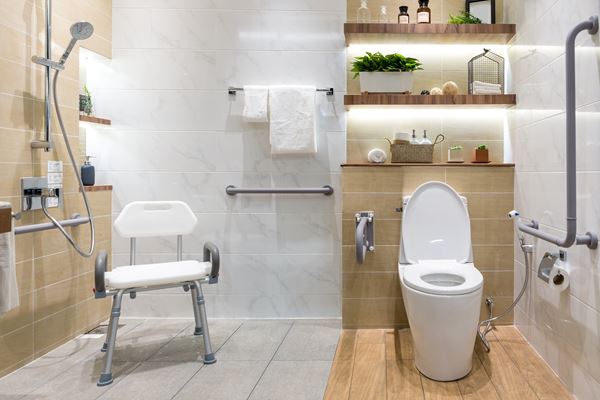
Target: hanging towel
x=9, y=293
x=292, y=119
x=255, y=103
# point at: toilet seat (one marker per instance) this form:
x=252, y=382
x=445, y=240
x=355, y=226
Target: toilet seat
x=442, y=277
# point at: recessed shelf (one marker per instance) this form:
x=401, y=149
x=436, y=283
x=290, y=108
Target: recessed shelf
x=397, y=99
x=429, y=33
x=94, y=120
x=465, y=164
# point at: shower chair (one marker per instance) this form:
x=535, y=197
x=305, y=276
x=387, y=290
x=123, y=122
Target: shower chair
x=144, y=219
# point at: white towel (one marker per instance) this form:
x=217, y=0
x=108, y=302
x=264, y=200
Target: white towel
x=292, y=117
x=255, y=103
x=486, y=84
x=486, y=91
x=9, y=293
x=377, y=156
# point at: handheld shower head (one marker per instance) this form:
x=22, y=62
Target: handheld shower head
x=79, y=31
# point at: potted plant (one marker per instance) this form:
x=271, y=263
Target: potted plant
x=481, y=154
x=455, y=154
x=385, y=73
x=465, y=17
x=85, y=101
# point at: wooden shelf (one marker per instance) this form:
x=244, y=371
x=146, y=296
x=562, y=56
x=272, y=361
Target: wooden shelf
x=397, y=99
x=98, y=188
x=94, y=120
x=429, y=33
x=465, y=164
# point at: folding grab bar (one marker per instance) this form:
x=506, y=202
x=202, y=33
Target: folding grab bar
x=365, y=236
x=589, y=239
x=327, y=190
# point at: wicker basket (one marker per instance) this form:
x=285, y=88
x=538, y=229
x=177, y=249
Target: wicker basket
x=414, y=153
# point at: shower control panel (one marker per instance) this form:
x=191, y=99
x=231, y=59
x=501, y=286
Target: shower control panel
x=36, y=189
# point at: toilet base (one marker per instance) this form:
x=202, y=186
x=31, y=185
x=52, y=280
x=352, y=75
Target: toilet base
x=438, y=378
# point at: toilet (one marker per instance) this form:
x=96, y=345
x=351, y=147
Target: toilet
x=441, y=287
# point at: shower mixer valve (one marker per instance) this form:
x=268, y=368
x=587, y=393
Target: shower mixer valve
x=34, y=190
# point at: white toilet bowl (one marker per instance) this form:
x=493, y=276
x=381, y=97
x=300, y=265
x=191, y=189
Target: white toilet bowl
x=440, y=285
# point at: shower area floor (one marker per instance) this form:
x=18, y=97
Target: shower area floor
x=379, y=364
x=159, y=359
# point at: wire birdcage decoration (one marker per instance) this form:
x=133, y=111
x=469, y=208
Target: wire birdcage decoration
x=487, y=67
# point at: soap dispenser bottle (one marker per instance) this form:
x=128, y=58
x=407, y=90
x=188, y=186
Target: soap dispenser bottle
x=88, y=172
x=413, y=139
x=425, y=139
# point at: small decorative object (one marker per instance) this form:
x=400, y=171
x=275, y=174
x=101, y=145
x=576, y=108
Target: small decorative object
x=486, y=73
x=455, y=154
x=403, y=17
x=363, y=15
x=383, y=15
x=425, y=139
x=485, y=10
x=385, y=73
x=423, y=12
x=481, y=154
x=425, y=92
x=401, y=137
x=85, y=102
x=377, y=156
x=436, y=91
x=463, y=19
x=414, y=153
x=450, y=88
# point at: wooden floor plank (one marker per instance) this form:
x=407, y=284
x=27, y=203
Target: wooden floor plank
x=403, y=380
x=536, y=372
x=504, y=374
x=399, y=345
x=371, y=336
x=340, y=376
x=368, y=376
x=434, y=390
x=346, y=345
x=477, y=385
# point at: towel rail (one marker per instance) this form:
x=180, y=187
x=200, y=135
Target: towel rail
x=233, y=90
x=75, y=220
x=327, y=190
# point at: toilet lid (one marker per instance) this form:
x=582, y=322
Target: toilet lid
x=436, y=225
x=442, y=277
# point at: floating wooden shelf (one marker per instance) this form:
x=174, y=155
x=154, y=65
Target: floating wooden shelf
x=465, y=164
x=94, y=120
x=429, y=33
x=98, y=188
x=397, y=99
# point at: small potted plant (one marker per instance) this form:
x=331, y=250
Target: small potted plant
x=385, y=73
x=481, y=154
x=455, y=154
x=463, y=18
x=85, y=101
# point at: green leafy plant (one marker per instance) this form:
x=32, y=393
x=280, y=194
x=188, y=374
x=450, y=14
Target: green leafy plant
x=464, y=18
x=482, y=147
x=457, y=147
x=377, y=62
x=85, y=101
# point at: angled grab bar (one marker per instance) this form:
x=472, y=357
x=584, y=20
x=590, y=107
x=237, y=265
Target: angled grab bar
x=365, y=236
x=589, y=239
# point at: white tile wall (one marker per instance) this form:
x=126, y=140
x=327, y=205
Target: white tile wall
x=564, y=328
x=177, y=134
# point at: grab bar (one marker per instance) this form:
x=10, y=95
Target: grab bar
x=327, y=190
x=365, y=235
x=589, y=239
x=75, y=220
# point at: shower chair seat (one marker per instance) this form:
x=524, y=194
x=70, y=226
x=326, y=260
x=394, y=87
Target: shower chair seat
x=156, y=219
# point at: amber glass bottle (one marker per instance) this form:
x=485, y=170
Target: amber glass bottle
x=403, y=17
x=424, y=12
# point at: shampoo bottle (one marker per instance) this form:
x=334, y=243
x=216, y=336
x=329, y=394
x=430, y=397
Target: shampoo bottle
x=88, y=172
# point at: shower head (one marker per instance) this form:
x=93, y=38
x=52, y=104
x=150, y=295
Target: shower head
x=79, y=31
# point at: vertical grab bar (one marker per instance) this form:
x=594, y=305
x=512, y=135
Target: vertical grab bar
x=365, y=236
x=589, y=239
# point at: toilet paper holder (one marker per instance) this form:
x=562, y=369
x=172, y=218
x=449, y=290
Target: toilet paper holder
x=546, y=265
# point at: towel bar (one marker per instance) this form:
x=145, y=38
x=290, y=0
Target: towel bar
x=233, y=90
x=326, y=190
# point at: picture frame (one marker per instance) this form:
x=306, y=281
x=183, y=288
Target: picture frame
x=485, y=10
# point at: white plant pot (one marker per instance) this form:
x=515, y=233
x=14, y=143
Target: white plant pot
x=455, y=155
x=381, y=82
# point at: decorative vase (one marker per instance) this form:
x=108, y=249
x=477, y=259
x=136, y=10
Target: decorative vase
x=481, y=155
x=386, y=82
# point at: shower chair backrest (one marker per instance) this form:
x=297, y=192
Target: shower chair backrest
x=155, y=218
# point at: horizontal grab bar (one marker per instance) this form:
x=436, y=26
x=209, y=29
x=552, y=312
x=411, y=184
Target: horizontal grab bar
x=75, y=220
x=233, y=90
x=326, y=190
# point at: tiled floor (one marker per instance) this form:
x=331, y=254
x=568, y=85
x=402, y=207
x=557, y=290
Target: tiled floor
x=158, y=359
x=379, y=364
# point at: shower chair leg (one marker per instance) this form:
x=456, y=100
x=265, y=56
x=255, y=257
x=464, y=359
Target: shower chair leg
x=209, y=356
x=110, y=324
x=198, y=327
x=106, y=376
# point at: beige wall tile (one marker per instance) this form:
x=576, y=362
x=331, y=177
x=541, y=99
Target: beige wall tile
x=390, y=180
x=17, y=317
x=494, y=258
x=16, y=347
x=373, y=313
x=383, y=259
x=497, y=283
x=361, y=285
x=54, y=330
x=383, y=204
x=481, y=179
x=489, y=231
x=490, y=205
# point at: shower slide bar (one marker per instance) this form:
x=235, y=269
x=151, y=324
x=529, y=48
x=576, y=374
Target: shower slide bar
x=233, y=90
x=326, y=190
x=589, y=239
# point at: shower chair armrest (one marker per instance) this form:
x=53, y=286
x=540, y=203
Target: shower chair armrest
x=100, y=269
x=211, y=253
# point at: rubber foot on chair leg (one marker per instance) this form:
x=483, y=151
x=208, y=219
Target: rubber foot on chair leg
x=198, y=331
x=210, y=358
x=105, y=379
x=104, y=347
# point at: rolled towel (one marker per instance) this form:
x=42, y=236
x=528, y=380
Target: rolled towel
x=256, y=103
x=486, y=84
x=9, y=293
x=486, y=91
x=377, y=156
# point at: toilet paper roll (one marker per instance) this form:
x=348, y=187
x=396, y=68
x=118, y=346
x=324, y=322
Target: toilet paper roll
x=559, y=277
x=377, y=156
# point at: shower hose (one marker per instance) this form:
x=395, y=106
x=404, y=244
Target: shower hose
x=485, y=326
x=56, y=223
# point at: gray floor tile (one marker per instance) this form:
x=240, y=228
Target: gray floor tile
x=293, y=380
x=225, y=380
x=255, y=340
x=187, y=347
x=310, y=340
x=152, y=380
